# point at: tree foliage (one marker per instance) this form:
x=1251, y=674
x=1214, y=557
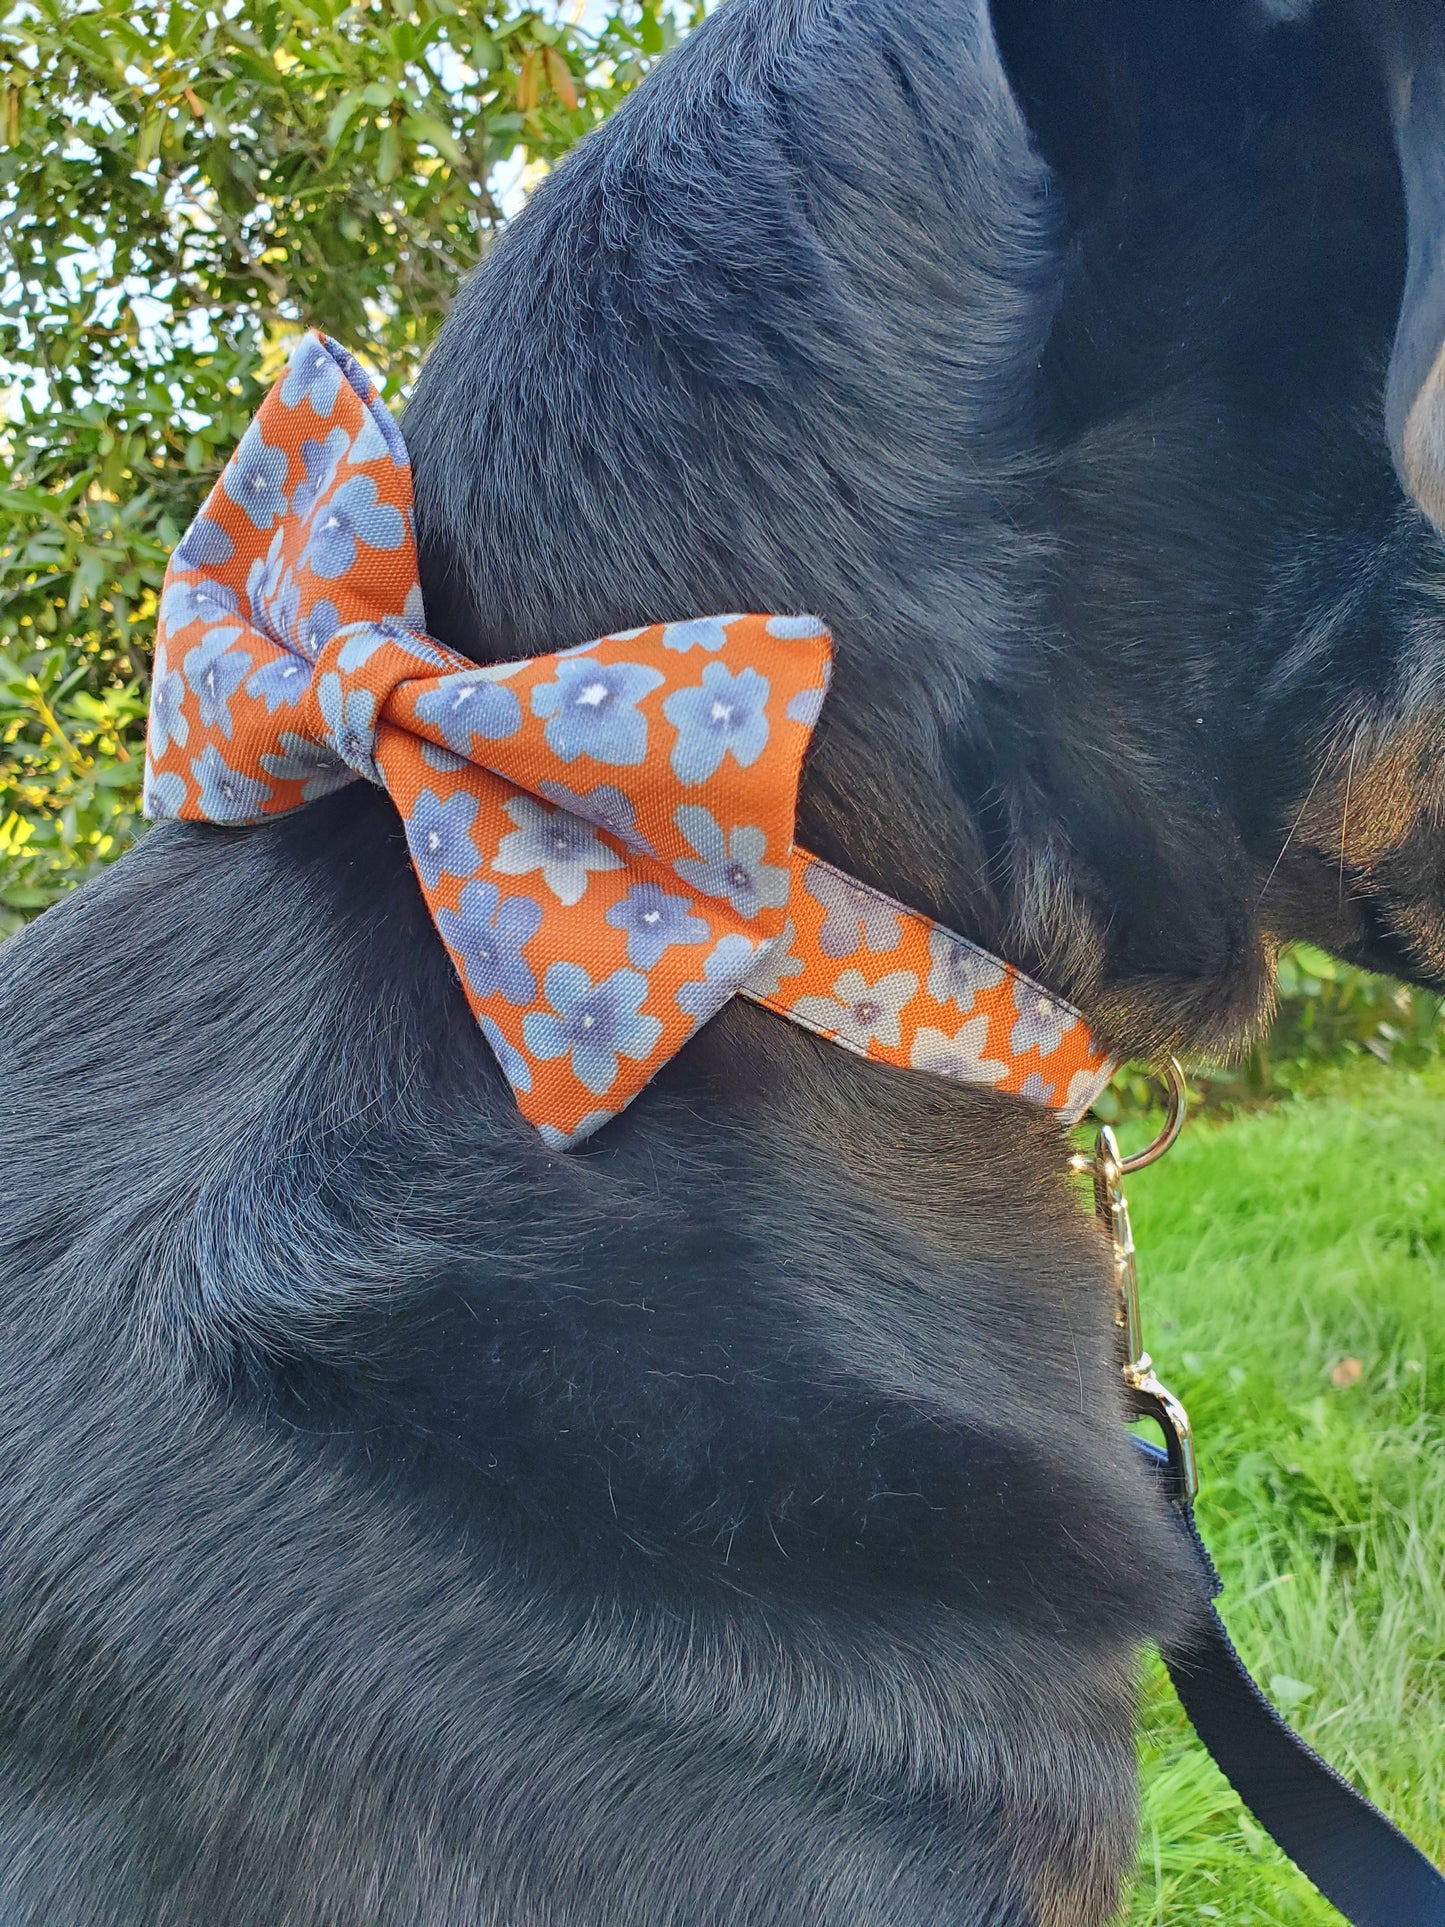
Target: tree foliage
x=181, y=191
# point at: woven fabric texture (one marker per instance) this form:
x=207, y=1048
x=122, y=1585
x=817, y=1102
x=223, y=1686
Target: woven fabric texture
x=604, y=835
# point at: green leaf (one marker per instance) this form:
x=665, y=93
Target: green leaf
x=307, y=161
x=388, y=154
x=1288, y=1693
x=118, y=776
x=428, y=129
x=340, y=116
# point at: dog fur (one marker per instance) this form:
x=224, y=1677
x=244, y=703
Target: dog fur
x=729, y=1524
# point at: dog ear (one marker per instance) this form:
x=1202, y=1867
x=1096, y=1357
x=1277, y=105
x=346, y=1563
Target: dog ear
x=1414, y=41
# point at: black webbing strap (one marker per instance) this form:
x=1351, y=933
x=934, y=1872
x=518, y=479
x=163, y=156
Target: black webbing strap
x=1360, y=1862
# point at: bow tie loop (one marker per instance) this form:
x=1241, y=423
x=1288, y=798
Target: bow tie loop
x=604, y=835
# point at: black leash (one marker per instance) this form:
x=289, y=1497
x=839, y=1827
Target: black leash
x=1359, y=1860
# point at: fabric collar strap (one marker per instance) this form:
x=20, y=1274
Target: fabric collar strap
x=604, y=836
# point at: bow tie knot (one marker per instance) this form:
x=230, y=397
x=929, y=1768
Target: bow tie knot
x=603, y=835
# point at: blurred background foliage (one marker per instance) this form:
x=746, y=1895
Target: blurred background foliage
x=1331, y=1021
x=183, y=190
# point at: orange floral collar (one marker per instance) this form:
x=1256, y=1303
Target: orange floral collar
x=604, y=836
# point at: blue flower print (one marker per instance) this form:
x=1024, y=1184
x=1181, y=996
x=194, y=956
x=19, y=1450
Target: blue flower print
x=163, y=795
x=704, y=632
x=1084, y=1087
x=593, y=710
x=489, y=933
x=515, y=1068
x=1042, y=1020
x=728, y=966
x=960, y=970
x=607, y=807
x=437, y=836
x=228, y=795
x=806, y=707
x=168, y=723
x=594, y=1023
x=730, y=866
x=959, y=1056
x=265, y=574
x=205, y=545
x=474, y=703
x=363, y=639
x=795, y=628
x=321, y=461
x=316, y=628
x=378, y=435
x=275, y=598
x=777, y=961
x=254, y=476
x=282, y=682
x=350, y=718
x=352, y=516
x=563, y=1141
x=301, y=760
x=311, y=375
x=214, y=672
x=856, y=914
x=561, y=846
x=440, y=759
x=1035, y=1088
x=858, y=1013
x=654, y=922
x=357, y=378
x=727, y=714
x=205, y=601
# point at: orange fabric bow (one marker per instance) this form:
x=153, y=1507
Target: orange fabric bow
x=604, y=836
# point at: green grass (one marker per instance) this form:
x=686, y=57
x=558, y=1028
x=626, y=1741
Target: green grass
x=1271, y=1249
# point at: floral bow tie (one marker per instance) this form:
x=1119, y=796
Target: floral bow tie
x=604, y=836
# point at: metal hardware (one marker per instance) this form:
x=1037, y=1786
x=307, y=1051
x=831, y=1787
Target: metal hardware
x=1173, y=1121
x=1147, y=1396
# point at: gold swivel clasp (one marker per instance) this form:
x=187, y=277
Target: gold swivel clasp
x=1147, y=1397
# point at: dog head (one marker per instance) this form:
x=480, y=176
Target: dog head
x=1385, y=817
x=1250, y=328
x=1057, y=357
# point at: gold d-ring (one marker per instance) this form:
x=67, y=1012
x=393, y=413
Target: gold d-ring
x=1173, y=1124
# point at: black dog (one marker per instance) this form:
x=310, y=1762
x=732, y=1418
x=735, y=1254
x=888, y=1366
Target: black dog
x=730, y=1522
